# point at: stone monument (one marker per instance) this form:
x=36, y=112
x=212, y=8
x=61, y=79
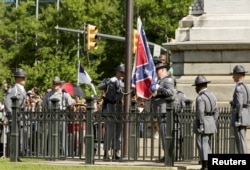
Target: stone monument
x=210, y=41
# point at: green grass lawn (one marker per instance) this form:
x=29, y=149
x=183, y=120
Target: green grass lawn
x=35, y=164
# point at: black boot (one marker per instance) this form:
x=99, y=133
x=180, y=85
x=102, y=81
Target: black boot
x=204, y=165
x=116, y=155
x=106, y=156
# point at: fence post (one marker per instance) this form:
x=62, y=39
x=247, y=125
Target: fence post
x=169, y=143
x=133, y=129
x=89, y=150
x=232, y=145
x=14, y=134
x=55, y=128
x=189, y=131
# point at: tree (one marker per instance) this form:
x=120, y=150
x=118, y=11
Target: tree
x=44, y=52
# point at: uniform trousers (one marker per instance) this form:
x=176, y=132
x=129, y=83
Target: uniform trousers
x=240, y=139
x=113, y=127
x=159, y=107
x=202, y=141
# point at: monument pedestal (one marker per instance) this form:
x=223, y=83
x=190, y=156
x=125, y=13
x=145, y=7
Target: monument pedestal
x=211, y=44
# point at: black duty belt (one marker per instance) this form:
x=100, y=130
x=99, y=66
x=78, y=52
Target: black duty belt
x=112, y=102
x=244, y=106
x=209, y=114
x=160, y=97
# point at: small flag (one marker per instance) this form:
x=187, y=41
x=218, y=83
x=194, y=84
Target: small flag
x=83, y=76
x=144, y=77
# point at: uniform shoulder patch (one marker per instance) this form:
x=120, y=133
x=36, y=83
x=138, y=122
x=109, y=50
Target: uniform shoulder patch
x=238, y=87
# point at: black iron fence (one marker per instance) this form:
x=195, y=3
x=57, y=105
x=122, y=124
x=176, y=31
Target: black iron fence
x=80, y=135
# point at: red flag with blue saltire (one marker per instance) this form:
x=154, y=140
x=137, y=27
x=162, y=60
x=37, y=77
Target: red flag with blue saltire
x=144, y=77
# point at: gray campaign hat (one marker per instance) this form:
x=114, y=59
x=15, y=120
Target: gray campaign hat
x=200, y=80
x=57, y=80
x=239, y=69
x=19, y=73
x=160, y=65
x=121, y=67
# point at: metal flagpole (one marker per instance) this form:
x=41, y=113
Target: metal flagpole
x=57, y=8
x=78, y=55
x=4, y=141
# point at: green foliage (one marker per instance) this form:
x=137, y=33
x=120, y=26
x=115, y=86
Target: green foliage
x=32, y=42
x=40, y=164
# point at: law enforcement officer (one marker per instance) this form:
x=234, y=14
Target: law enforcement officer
x=206, y=117
x=164, y=90
x=113, y=102
x=65, y=103
x=65, y=100
x=17, y=90
x=179, y=105
x=240, y=108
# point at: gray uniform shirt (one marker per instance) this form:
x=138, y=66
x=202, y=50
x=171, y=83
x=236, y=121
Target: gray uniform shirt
x=64, y=98
x=18, y=91
x=240, y=103
x=179, y=101
x=166, y=90
x=241, y=96
x=112, y=88
x=207, y=112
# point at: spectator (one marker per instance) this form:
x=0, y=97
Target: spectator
x=164, y=60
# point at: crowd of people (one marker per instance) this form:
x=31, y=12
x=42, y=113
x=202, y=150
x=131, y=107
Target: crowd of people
x=112, y=102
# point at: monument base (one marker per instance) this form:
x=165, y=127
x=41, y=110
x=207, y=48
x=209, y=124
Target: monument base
x=214, y=27
x=213, y=59
x=211, y=44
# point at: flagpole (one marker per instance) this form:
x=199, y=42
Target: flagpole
x=78, y=55
x=128, y=56
x=93, y=88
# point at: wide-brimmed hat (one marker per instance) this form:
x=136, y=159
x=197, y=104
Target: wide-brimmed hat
x=121, y=68
x=160, y=65
x=156, y=60
x=19, y=73
x=239, y=69
x=200, y=80
x=57, y=80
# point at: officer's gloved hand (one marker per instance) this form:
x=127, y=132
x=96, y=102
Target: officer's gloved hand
x=154, y=93
x=159, y=89
x=238, y=122
x=157, y=86
x=201, y=129
x=122, y=85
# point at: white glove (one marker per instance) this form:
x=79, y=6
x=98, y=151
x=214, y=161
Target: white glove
x=140, y=109
x=155, y=93
x=157, y=86
x=113, y=79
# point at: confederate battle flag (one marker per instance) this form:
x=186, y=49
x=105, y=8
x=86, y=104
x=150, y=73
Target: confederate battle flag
x=144, y=75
